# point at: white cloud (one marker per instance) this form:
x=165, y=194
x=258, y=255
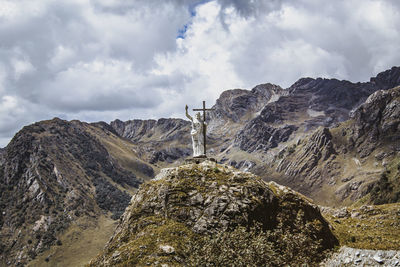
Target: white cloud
x=10, y=109
x=101, y=59
x=21, y=67
x=3, y=77
x=99, y=85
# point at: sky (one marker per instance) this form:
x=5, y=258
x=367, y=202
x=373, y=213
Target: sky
x=99, y=60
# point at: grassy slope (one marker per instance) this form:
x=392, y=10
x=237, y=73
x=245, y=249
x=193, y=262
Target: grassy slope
x=370, y=227
x=122, y=150
x=85, y=238
x=80, y=243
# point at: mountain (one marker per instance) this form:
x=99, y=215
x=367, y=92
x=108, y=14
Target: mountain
x=348, y=162
x=166, y=141
x=63, y=184
x=212, y=214
x=55, y=175
x=309, y=103
x=275, y=131
x=163, y=141
x=284, y=140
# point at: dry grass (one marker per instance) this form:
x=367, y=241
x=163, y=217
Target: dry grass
x=80, y=243
x=374, y=227
x=123, y=151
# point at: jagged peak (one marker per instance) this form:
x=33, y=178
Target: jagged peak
x=266, y=87
x=377, y=100
x=387, y=79
x=229, y=94
x=149, y=121
x=300, y=83
x=383, y=94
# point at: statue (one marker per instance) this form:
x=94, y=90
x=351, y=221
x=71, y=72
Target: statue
x=198, y=134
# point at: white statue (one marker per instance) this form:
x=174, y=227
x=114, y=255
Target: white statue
x=198, y=131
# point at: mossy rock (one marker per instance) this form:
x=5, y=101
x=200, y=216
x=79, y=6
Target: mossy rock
x=194, y=204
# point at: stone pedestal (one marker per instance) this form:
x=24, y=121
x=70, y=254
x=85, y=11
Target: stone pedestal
x=198, y=160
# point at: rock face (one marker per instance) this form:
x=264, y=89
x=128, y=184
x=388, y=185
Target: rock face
x=158, y=142
x=357, y=157
x=238, y=104
x=318, y=148
x=307, y=104
x=377, y=121
x=261, y=136
x=53, y=173
x=188, y=202
x=387, y=79
x=143, y=130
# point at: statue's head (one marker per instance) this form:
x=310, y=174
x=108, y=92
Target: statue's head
x=198, y=116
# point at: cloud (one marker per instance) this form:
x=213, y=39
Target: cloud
x=99, y=85
x=101, y=59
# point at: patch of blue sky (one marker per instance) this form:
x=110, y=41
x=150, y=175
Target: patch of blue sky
x=182, y=31
x=192, y=10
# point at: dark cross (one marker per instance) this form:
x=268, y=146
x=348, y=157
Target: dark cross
x=204, y=120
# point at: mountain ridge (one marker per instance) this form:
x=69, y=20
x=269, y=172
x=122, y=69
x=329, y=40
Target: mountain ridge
x=52, y=174
x=328, y=139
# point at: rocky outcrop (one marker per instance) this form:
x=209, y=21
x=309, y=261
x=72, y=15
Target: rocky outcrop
x=377, y=121
x=258, y=135
x=2, y=152
x=152, y=130
x=332, y=94
x=172, y=213
x=158, y=142
x=340, y=157
x=53, y=173
x=318, y=147
x=387, y=79
x=170, y=155
x=234, y=108
x=237, y=104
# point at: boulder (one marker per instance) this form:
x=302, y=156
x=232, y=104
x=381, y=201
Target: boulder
x=189, y=208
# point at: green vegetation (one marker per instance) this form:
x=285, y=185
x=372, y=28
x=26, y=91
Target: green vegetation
x=239, y=247
x=145, y=248
x=292, y=149
x=82, y=241
x=254, y=247
x=214, y=215
x=370, y=227
x=387, y=189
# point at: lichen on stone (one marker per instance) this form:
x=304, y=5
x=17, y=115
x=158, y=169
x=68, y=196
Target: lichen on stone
x=195, y=203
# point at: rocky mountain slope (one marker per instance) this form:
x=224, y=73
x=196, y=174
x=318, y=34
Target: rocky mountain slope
x=273, y=130
x=56, y=173
x=334, y=141
x=166, y=141
x=309, y=103
x=163, y=141
x=357, y=159
x=212, y=214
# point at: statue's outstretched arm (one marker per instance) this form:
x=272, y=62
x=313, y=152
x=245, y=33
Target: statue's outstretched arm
x=187, y=113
